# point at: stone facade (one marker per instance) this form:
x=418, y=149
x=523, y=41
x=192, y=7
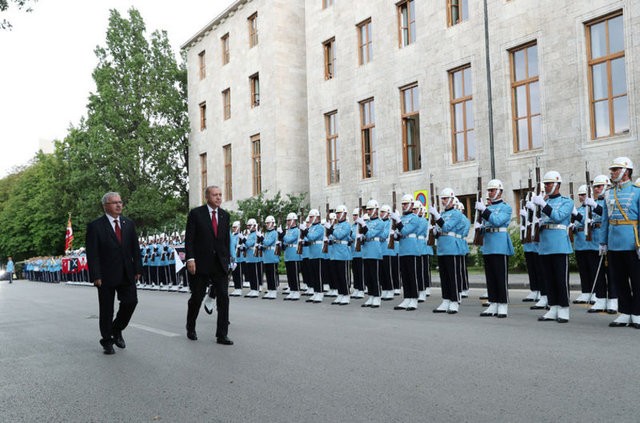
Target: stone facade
x=294, y=115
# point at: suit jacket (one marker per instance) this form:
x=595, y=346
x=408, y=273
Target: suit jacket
x=202, y=245
x=109, y=260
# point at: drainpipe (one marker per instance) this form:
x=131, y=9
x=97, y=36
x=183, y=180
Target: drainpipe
x=489, y=97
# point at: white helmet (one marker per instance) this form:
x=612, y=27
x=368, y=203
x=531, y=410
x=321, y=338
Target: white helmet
x=314, y=213
x=622, y=162
x=447, y=193
x=417, y=204
x=582, y=190
x=458, y=204
x=234, y=225
x=292, y=216
x=372, y=204
x=495, y=184
x=332, y=216
x=252, y=222
x=356, y=211
x=341, y=209
x=385, y=208
x=601, y=180
x=407, y=198
x=552, y=176
x=270, y=219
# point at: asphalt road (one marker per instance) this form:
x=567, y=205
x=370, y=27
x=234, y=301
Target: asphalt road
x=298, y=362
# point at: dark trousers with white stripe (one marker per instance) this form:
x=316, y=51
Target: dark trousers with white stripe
x=592, y=279
x=624, y=269
x=496, y=273
x=371, y=276
x=254, y=274
x=534, y=269
x=358, y=278
x=304, y=264
x=448, y=266
x=408, y=269
x=557, y=276
x=237, y=276
x=605, y=288
x=339, y=272
x=420, y=273
x=292, y=275
x=461, y=269
x=326, y=273
x=385, y=273
x=395, y=271
x=426, y=270
x=314, y=275
x=271, y=271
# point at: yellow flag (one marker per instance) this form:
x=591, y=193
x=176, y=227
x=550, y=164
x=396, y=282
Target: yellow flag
x=423, y=196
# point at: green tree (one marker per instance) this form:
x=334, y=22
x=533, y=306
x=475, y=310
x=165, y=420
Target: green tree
x=20, y=4
x=260, y=207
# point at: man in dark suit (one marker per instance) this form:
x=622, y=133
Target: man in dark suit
x=206, y=244
x=113, y=257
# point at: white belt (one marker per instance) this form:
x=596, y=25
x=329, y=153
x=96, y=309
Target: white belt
x=553, y=226
x=341, y=242
x=290, y=245
x=318, y=242
x=411, y=236
x=420, y=236
x=489, y=230
x=270, y=248
x=375, y=239
x=453, y=234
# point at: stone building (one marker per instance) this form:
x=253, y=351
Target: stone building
x=365, y=98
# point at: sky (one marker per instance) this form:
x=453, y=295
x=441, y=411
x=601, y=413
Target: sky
x=46, y=62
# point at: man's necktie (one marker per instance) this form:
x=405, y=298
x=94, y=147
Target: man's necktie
x=214, y=223
x=118, y=231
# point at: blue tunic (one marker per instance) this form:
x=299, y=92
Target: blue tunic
x=496, y=217
x=341, y=238
x=554, y=239
x=290, y=244
x=622, y=237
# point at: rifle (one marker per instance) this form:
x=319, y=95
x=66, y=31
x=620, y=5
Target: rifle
x=358, y=246
x=391, y=241
x=325, y=241
x=431, y=238
x=523, y=219
x=478, y=236
x=538, y=213
x=588, y=232
x=571, y=196
x=529, y=219
x=278, y=248
x=300, y=237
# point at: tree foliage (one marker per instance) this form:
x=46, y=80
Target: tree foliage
x=20, y=4
x=260, y=207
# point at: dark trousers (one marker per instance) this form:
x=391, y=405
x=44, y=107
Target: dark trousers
x=497, y=275
x=420, y=273
x=254, y=275
x=326, y=272
x=293, y=270
x=314, y=275
x=395, y=271
x=588, y=261
x=605, y=288
x=128, y=298
x=219, y=286
x=533, y=265
x=271, y=271
x=557, y=276
x=624, y=269
x=358, y=277
x=340, y=271
x=449, y=273
x=237, y=276
x=385, y=273
x=408, y=269
x=305, y=272
x=426, y=270
x=371, y=276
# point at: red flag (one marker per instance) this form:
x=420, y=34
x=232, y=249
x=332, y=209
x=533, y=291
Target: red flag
x=68, y=239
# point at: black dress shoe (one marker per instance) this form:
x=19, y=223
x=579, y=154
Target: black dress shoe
x=635, y=325
x=561, y=320
x=528, y=300
x=594, y=310
x=487, y=314
x=618, y=325
x=191, y=334
x=537, y=307
x=439, y=311
x=609, y=311
x=501, y=316
x=365, y=305
x=107, y=346
x=452, y=312
x=224, y=340
x=545, y=319
x=118, y=340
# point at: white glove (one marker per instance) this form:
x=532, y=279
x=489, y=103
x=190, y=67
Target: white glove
x=435, y=230
x=602, y=249
x=480, y=206
x=279, y=230
x=327, y=225
x=395, y=216
x=397, y=233
x=570, y=227
x=325, y=239
x=574, y=212
x=523, y=213
x=360, y=221
x=434, y=212
x=233, y=266
x=258, y=234
x=360, y=237
x=477, y=225
x=302, y=226
x=590, y=202
x=538, y=200
x=530, y=206
x=523, y=228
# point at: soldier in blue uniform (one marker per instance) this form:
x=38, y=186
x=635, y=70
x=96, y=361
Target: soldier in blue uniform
x=421, y=235
x=237, y=258
x=326, y=268
x=313, y=239
x=254, y=264
x=388, y=255
x=269, y=259
x=587, y=252
x=496, y=248
x=340, y=254
x=292, y=259
x=10, y=268
x=554, y=247
x=622, y=241
x=450, y=229
x=373, y=235
x=407, y=227
x=463, y=273
x=356, y=259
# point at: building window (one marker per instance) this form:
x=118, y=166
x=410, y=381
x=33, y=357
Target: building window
x=228, y=185
x=525, y=98
x=457, y=11
x=327, y=3
x=333, y=165
x=368, y=137
x=203, y=115
x=329, y=58
x=365, y=43
x=254, y=86
x=203, y=66
x=609, y=108
x=225, y=48
x=469, y=203
x=410, y=106
x=253, y=29
x=407, y=22
x=463, y=136
x=226, y=103
x=203, y=176
x=256, y=164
